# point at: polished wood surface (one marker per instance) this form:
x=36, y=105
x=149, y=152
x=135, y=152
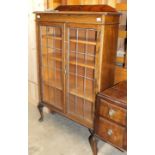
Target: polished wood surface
x=91, y=8
x=101, y=42
x=120, y=74
x=117, y=94
x=52, y=4
x=112, y=112
x=76, y=60
x=111, y=115
x=69, y=17
x=109, y=56
x=111, y=132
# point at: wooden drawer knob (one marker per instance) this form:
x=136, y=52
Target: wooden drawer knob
x=112, y=112
x=110, y=132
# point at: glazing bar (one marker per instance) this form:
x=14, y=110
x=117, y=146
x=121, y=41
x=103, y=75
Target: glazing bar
x=83, y=53
x=59, y=49
x=68, y=77
x=82, y=76
x=76, y=66
x=85, y=69
x=53, y=42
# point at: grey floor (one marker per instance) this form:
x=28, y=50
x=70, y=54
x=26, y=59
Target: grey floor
x=60, y=136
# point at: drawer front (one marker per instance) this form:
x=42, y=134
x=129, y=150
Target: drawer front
x=111, y=132
x=112, y=112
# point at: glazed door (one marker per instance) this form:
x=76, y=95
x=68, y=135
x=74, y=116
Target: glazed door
x=81, y=64
x=51, y=56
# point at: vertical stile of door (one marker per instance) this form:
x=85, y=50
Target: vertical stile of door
x=75, y=104
x=53, y=42
x=43, y=66
x=63, y=35
x=62, y=66
x=85, y=70
x=67, y=67
x=47, y=61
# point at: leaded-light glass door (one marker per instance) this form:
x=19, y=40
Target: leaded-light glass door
x=52, y=65
x=81, y=56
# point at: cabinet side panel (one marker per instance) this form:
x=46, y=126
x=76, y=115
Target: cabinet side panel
x=38, y=60
x=109, y=56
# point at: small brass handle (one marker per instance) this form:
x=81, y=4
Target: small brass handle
x=112, y=112
x=110, y=132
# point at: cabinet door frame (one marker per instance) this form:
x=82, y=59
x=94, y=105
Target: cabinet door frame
x=98, y=54
x=38, y=40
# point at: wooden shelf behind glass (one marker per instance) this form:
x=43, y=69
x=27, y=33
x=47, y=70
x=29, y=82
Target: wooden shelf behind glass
x=51, y=37
x=80, y=63
x=53, y=84
x=83, y=42
x=78, y=93
x=72, y=40
x=57, y=57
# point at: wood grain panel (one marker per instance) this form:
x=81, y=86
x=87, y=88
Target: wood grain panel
x=91, y=19
x=120, y=74
x=111, y=115
x=111, y=132
x=81, y=107
x=109, y=56
x=112, y=112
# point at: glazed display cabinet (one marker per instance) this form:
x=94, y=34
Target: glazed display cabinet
x=76, y=59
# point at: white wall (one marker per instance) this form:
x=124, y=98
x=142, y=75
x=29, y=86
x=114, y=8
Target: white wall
x=34, y=5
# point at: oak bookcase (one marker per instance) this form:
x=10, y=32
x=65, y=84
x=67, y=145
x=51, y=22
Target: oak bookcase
x=76, y=58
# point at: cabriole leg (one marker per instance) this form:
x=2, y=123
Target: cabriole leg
x=40, y=108
x=93, y=142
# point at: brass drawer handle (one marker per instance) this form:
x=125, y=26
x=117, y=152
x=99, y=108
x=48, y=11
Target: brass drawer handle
x=110, y=132
x=112, y=112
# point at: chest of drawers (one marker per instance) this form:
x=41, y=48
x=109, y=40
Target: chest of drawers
x=111, y=115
